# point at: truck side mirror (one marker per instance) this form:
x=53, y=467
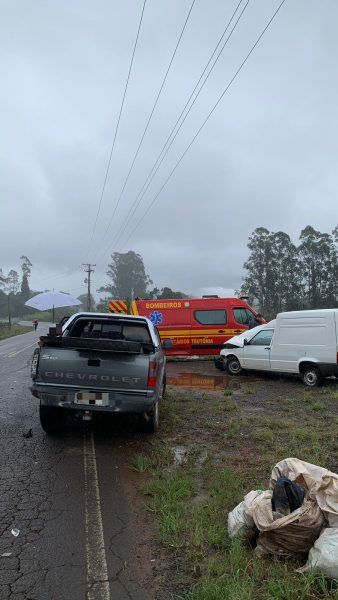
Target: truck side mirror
x=167, y=344
x=246, y=342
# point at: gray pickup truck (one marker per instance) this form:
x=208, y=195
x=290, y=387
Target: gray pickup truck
x=99, y=363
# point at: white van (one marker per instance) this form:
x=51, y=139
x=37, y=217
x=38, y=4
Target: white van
x=303, y=342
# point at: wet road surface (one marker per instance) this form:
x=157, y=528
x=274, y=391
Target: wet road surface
x=64, y=496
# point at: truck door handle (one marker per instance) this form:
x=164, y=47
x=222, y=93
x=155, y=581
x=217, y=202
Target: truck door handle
x=267, y=348
x=221, y=331
x=94, y=362
x=237, y=330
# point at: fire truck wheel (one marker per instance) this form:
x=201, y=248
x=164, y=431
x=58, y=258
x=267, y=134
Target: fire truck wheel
x=233, y=366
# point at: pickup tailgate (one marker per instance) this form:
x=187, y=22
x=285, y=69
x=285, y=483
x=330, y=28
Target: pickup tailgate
x=93, y=369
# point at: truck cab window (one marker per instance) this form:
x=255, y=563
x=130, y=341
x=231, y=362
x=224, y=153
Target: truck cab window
x=242, y=315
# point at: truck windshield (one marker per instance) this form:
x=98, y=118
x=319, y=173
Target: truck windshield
x=112, y=330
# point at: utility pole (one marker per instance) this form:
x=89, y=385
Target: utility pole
x=9, y=312
x=88, y=270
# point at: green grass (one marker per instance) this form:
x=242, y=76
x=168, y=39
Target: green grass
x=14, y=330
x=228, y=456
x=141, y=463
x=319, y=405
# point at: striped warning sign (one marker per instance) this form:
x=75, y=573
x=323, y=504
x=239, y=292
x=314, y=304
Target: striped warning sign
x=117, y=306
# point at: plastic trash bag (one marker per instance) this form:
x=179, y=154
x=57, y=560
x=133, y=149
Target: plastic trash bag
x=287, y=496
x=287, y=535
x=324, y=554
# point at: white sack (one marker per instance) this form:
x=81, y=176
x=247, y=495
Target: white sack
x=324, y=554
x=240, y=521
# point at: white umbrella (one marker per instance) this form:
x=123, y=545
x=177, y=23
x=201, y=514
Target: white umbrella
x=48, y=300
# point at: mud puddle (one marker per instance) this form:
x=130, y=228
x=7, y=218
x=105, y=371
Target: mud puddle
x=203, y=382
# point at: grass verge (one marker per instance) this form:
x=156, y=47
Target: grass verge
x=6, y=332
x=228, y=452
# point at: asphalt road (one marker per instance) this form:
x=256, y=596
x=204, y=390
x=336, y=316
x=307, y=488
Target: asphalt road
x=64, y=496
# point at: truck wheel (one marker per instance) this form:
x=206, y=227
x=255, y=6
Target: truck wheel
x=52, y=419
x=233, y=366
x=312, y=377
x=164, y=385
x=152, y=423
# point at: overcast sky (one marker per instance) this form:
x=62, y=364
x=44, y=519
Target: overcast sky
x=266, y=157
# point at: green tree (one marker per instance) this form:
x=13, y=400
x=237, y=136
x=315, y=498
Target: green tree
x=318, y=254
x=12, y=282
x=260, y=282
x=128, y=277
x=287, y=274
x=167, y=292
x=26, y=271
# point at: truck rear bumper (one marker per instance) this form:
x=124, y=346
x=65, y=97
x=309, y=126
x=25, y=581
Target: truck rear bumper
x=119, y=402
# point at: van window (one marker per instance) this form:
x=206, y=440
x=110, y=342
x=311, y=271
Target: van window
x=263, y=338
x=211, y=317
x=242, y=315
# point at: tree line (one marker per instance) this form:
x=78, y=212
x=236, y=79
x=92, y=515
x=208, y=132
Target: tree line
x=280, y=275
x=284, y=276
x=14, y=290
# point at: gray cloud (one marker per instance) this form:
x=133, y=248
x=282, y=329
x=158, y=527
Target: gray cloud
x=266, y=157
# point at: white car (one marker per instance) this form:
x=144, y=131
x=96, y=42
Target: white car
x=300, y=342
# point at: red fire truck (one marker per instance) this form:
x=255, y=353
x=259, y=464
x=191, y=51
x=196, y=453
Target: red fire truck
x=197, y=326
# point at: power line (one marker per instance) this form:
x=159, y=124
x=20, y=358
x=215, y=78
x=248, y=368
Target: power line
x=205, y=121
x=116, y=129
x=170, y=140
x=147, y=125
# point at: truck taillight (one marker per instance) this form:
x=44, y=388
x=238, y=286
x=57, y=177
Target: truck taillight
x=35, y=360
x=152, y=375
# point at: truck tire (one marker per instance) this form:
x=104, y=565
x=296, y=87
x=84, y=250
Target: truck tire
x=233, y=366
x=164, y=385
x=312, y=376
x=52, y=419
x=151, y=424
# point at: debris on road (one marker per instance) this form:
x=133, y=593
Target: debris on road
x=6, y=554
x=297, y=515
x=15, y=532
x=28, y=434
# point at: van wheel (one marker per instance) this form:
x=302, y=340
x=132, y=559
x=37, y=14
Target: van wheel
x=151, y=424
x=312, y=377
x=233, y=366
x=52, y=419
